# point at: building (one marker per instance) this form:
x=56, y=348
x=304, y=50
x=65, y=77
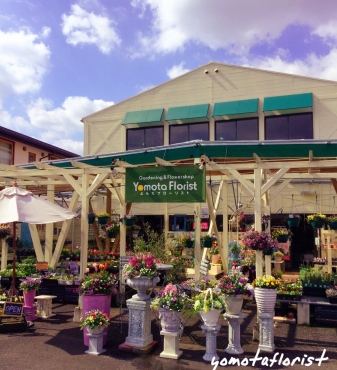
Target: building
x=242, y=120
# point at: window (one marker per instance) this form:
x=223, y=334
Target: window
x=188, y=132
x=31, y=157
x=139, y=138
x=289, y=127
x=240, y=129
x=6, y=152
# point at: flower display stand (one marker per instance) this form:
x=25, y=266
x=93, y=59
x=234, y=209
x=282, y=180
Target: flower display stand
x=95, y=342
x=44, y=306
x=171, y=344
x=234, y=335
x=266, y=338
x=211, y=334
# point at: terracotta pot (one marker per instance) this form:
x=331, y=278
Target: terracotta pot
x=215, y=258
x=278, y=258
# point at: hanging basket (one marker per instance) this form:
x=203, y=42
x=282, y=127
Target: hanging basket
x=111, y=234
x=103, y=220
x=129, y=221
x=333, y=225
x=189, y=243
x=268, y=252
x=207, y=243
x=317, y=224
x=293, y=222
x=282, y=238
x=91, y=220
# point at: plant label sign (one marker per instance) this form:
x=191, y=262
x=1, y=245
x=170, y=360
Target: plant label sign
x=13, y=309
x=41, y=266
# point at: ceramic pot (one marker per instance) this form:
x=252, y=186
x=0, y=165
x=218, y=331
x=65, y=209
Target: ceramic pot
x=142, y=284
x=96, y=330
x=233, y=304
x=28, y=298
x=170, y=320
x=265, y=299
x=100, y=302
x=293, y=222
x=210, y=318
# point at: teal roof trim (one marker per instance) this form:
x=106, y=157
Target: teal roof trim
x=288, y=102
x=188, y=113
x=235, y=108
x=143, y=117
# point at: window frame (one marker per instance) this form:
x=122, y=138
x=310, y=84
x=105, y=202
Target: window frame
x=236, y=120
x=288, y=116
x=143, y=129
x=188, y=125
x=12, y=144
x=33, y=155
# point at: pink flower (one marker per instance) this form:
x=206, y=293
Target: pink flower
x=171, y=289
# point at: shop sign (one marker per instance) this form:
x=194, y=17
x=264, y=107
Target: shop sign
x=183, y=184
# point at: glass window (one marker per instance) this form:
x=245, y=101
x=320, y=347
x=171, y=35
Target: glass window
x=289, y=127
x=139, y=138
x=188, y=132
x=31, y=157
x=241, y=129
x=6, y=152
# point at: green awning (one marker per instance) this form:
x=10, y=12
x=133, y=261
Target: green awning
x=288, y=104
x=233, y=109
x=190, y=113
x=143, y=117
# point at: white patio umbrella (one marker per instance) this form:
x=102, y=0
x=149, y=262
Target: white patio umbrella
x=20, y=205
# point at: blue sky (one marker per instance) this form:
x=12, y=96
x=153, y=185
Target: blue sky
x=62, y=60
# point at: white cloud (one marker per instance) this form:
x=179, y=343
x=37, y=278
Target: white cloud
x=313, y=66
x=23, y=62
x=177, y=70
x=235, y=25
x=82, y=27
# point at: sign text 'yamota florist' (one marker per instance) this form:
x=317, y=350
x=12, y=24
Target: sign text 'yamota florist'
x=185, y=184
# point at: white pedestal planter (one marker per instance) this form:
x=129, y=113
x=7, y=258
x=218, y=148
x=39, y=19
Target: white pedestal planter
x=95, y=344
x=266, y=332
x=211, y=334
x=170, y=320
x=234, y=336
x=171, y=344
x=233, y=304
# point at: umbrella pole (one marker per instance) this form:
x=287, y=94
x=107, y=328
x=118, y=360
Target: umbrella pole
x=12, y=291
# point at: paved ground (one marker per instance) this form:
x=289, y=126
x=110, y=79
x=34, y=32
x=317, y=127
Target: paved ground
x=57, y=343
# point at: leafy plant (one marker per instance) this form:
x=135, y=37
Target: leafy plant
x=233, y=285
x=95, y=318
x=208, y=237
x=316, y=217
x=102, y=214
x=266, y=282
x=206, y=301
x=257, y=240
x=278, y=254
x=98, y=283
x=29, y=284
x=214, y=250
x=141, y=264
x=279, y=232
x=235, y=247
x=171, y=299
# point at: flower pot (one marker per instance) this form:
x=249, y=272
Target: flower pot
x=268, y=252
x=96, y=330
x=282, y=238
x=215, y=258
x=278, y=259
x=28, y=298
x=210, y=318
x=265, y=299
x=170, y=320
x=142, y=284
x=111, y=234
x=129, y=221
x=333, y=225
x=103, y=220
x=236, y=255
x=189, y=243
x=233, y=304
x=207, y=243
x=293, y=222
x=317, y=224
x=91, y=219
x=101, y=302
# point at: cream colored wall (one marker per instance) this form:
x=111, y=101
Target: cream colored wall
x=105, y=134
x=21, y=156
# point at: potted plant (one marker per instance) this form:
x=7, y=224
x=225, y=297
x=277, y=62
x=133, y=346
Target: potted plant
x=233, y=287
x=4, y=231
x=293, y=220
x=29, y=286
x=278, y=255
x=289, y=289
x=281, y=235
x=265, y=290
x=91, y=217
x=95, y=321
x=141, y=273
x=170, y=303
x=209, y=304
x=214, y=252
x=129, y=219
x=187, y=241
x=331, y=294
x=102, y=218
x=112, y=230
x=207, y=240
x=316, y=220
x=332, y=221
x=258, y=241
x=235, y=249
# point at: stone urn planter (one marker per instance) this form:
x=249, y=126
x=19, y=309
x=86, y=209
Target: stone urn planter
x=170, y=320
x=141, y=284
x=210, y=318
x=96, y=330
x=233, y=304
